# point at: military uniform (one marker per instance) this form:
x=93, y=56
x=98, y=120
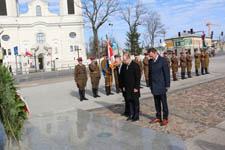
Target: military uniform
x=183, y=64
x=189, y=65
x=95, y=76
x=197, y=62
x=206, y=62
x=80, y=77
x=174, y=66
x=146, y=72
x=167, y=58
x=107, y=72
x=116, y=78
x=202, y=63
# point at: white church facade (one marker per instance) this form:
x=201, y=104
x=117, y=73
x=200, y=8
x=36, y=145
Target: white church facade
x=46, y=41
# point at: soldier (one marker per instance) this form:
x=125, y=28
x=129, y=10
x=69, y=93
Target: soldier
x=206, y=61
x=115, y=72
x=145, y=62
x=136, y=60
x=197, y=62
x=167, y=58
x=95, y=76
x=189, y=64
x=174, y=65
x=107, y=72
x=202, y=62
x=80, y=76
x=183, y=64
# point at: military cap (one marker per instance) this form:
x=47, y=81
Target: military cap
x=173, y=53
x=165, y=53
x=104, y=54
x=181, y=53
x=79, y=59
x=92, y=58
x=116, y=56
x=146, y=54
x=135, y=54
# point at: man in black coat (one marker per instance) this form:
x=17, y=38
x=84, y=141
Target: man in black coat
x=131, y=86
x=159, y=81
x=121, y=68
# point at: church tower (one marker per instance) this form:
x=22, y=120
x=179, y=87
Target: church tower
x=70, y=7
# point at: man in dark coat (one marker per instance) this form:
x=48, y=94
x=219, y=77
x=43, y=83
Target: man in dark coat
x=159, y=81
x=131, y=86
x=120, y=69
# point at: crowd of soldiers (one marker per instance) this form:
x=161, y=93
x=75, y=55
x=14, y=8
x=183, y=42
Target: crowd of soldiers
x=81, y=75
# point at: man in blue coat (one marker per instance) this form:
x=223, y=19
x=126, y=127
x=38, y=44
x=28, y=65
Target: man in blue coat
x=159, y=81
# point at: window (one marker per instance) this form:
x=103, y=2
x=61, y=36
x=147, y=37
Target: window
x=4, y=51
x=70, y=6
x=9, y=52
x=40, y=38
x=72, y=34
x=3, y=9
x=5, y=37
x=71, y=48
x=38, y=10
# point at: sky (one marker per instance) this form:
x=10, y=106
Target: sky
x=176, y=15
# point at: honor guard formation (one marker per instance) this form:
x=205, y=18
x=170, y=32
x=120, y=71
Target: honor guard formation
x=126, y=72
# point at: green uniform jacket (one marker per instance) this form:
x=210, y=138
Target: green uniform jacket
x=80, y=76
x=94, y=74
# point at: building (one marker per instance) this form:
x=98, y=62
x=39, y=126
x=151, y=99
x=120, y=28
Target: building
x=45, y=40
x=187, y=42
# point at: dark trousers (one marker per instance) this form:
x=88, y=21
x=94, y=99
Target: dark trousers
x=134, y=108
x=161, y=99
x=127, y=107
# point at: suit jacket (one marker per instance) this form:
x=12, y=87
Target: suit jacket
x=159, y=76
x=131, y=80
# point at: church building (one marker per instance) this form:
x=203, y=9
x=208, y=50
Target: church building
x=40, y=40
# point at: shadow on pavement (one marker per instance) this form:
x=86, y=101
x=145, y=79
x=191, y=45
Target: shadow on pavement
x=204, y=145
x=75, y=94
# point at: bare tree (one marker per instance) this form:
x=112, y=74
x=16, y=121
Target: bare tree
x=133, y=16
x=154, y=27
x=97, y=13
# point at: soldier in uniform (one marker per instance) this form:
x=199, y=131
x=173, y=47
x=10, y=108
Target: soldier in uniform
x=183, y=65
x=145, y=62
x=202, y=62
x=174, y=65
x=206, y=61
x=189, y=64
x=139, y=62
x=167, y=58
x=107, y=72
x=80, y=77
x=197, y=62
x=115, y=72
x=95, y=76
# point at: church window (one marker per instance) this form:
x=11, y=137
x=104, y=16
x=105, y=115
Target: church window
x=70, y=6
x=72, y=34
x=5, y=37
x=40, y=38
x=38, y=10
x=71, y=48
x=3, y=9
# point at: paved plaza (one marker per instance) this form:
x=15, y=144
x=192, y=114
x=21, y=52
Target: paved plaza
x=196, y=109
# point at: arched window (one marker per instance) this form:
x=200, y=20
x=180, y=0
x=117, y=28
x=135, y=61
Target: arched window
x=40, y=38
x=38, y=10
x=70, y=6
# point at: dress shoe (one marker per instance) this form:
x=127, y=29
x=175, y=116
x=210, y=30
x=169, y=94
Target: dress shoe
x=129, y=118
x=155, y=121
x=164, y=122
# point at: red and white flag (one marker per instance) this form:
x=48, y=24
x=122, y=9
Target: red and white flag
x=110, y=54
x=28, y=54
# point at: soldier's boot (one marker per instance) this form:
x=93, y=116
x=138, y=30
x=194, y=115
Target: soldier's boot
x=81, y=95
x=96, y=92
x=196, y=72
x=147, y=83
x=182, y=75
x=206, y=71
x=202, y=71
x=189, y=75
x=83, y=91
x=174, y=77
x=107, y=90
x=110, y=91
